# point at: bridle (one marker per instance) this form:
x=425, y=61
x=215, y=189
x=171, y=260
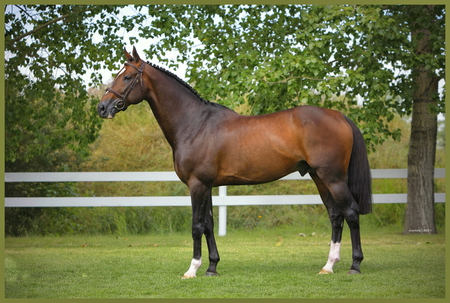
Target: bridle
x=122, y=103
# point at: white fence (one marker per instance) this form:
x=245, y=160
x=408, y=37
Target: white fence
x=222, y=200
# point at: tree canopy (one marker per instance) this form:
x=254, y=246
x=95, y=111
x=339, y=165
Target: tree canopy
x=270, y=57
x=278, y=56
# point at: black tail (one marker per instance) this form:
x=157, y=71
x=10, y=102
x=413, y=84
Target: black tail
x=359, y=176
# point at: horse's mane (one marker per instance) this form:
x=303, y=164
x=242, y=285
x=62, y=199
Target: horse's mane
x=172, y=75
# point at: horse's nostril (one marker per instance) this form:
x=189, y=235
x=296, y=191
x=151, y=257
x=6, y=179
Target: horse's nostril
x=102, y=108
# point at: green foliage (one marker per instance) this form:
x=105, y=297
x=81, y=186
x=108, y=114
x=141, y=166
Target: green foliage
x=65, y=221
x=278, y=56
x=49, y=115
x=50, y=119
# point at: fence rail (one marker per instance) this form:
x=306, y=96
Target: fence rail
x=222, y=200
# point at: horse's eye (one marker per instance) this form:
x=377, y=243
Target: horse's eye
x=127, y=78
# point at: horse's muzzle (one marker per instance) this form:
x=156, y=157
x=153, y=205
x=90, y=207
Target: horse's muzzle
x=106, y=109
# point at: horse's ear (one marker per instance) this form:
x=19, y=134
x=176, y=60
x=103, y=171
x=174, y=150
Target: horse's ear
x=135, y=55
x=127, y=55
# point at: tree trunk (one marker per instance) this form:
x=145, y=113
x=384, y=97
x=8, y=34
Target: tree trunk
x=420, y=216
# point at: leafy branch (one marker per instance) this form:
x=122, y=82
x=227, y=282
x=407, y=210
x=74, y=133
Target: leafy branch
x=42, y=26
x=38, y=28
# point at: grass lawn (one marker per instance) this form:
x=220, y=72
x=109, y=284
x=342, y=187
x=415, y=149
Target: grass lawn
x=276, y=263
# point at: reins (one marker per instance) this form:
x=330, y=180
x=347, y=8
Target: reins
x=122, y=103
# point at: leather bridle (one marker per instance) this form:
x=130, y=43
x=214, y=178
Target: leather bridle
x=123, y=103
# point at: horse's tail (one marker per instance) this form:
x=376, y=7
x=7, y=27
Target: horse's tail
x=359, y=176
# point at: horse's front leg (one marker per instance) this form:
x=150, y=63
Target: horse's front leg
x=211, y=241
x=202, y=223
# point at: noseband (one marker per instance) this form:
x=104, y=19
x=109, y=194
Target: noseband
x=122, y=103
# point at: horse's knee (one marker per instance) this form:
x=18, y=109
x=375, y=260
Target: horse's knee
x=197, y=230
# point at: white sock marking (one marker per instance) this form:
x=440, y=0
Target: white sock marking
x=333, y=256
x=195, y=265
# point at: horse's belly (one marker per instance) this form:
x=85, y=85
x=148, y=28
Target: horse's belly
x=258, y=167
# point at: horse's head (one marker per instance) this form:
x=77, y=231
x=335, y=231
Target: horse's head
x=123, y=91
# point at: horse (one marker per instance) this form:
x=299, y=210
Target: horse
x=213, y=145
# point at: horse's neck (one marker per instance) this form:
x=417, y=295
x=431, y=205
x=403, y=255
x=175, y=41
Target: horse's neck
x=178, y=110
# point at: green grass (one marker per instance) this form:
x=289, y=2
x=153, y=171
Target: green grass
x=271, y=263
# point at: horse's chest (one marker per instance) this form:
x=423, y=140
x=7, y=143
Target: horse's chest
x=196, y=164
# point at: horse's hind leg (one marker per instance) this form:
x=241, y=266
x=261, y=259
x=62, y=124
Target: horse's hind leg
x=336, y=219
x=350, y=210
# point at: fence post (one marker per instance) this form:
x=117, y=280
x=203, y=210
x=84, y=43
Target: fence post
x=222, y=212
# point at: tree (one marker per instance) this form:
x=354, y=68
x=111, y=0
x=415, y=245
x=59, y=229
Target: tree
x=50, y=118
x=274, y=57
x=421, y=157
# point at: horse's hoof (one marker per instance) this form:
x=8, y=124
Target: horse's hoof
x=211, y=274
x=353, y=271
x=187, y=277
x=324, y=272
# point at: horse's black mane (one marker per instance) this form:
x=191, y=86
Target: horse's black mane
x=172, y=75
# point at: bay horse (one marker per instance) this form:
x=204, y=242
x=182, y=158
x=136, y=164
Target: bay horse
x=213, y=145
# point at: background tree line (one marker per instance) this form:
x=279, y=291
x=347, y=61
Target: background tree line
x=383, y=60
